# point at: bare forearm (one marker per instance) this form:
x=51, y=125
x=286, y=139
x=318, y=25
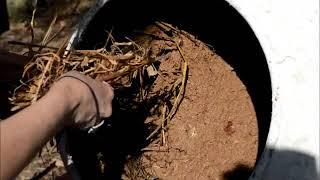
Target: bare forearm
x=74, y=100
x=23, y=134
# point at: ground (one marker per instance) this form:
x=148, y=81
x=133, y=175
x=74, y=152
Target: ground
x=68, y=16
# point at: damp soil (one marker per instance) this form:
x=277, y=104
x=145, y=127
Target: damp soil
x=213, y=135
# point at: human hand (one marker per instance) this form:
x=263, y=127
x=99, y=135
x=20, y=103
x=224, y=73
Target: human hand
x=90, y=100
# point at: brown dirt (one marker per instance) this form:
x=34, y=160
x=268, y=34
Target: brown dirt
x=215, y=128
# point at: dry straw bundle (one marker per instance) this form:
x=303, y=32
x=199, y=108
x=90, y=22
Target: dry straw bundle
x=110, y=66
x=120, y=65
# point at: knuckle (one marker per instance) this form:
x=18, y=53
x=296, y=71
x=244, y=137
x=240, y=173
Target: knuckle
x=106, y=114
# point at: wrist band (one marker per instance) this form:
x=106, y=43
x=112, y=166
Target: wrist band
x=95, y=127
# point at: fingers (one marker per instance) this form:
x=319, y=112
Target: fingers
x=105, y=98
x=96, y=99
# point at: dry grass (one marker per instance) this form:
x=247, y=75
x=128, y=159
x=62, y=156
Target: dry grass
x=119, y=65
x=111, y=66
